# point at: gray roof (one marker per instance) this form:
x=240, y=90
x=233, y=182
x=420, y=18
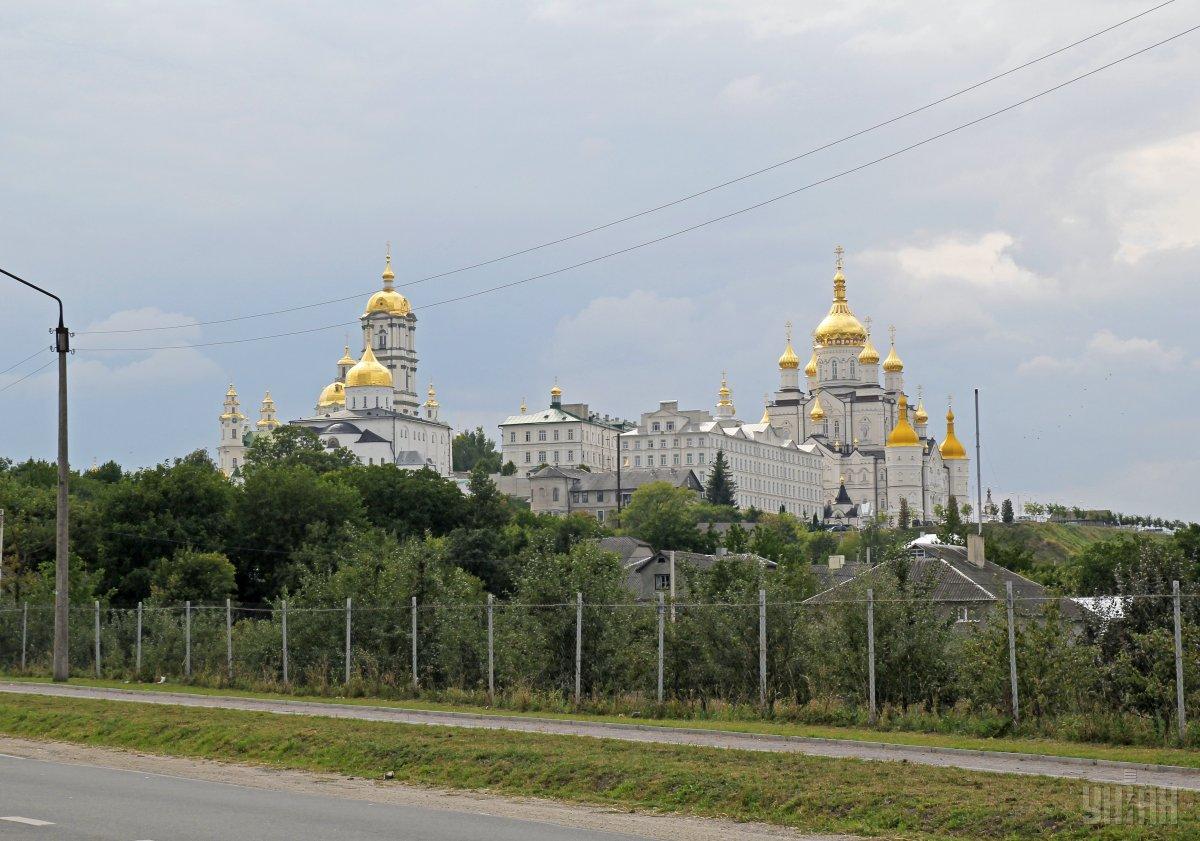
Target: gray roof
x=631, y=479
x=628, y=548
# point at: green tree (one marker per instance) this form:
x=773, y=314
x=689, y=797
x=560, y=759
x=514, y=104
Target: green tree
x=952, y=524
x=408, y=503
x=509, y=469
x=736, y=539
x=902, y=520
x=198, y=577
x=487, y=507
x=472, y=448
x=1006, y=511
x=663, y=515
x=721, y=488
x=292, y=446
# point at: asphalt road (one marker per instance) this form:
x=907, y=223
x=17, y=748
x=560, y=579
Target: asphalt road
x=1100, y=771
x=55, y=800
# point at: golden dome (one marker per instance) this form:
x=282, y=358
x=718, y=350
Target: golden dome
x=952, y=448
x=347, y=359
x=789, y=361
x=816, y=413
x=388, y=299
x=810, y=369
x=840, y=327
x=723, y=393
x=368, y=372
x=893, y=364
x=921, y=417
x=868, y=355
x=903, y=434
x=431, y=402
x=556, y=392
x=232, y=391
x=333, y=394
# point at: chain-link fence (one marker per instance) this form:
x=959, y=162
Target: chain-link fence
x=1121, y=667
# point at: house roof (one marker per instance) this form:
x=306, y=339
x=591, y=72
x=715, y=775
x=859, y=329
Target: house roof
x=631, y=478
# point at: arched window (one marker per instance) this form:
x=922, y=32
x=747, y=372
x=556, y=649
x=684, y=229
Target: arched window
x=381, y=340
x=554, y=494
x=835, y=376
x=852, y=370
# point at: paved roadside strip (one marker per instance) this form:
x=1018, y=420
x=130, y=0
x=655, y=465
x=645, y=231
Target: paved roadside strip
x=1092, y=770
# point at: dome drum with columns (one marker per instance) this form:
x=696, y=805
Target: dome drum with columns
x=875, y=445
x=371, y=407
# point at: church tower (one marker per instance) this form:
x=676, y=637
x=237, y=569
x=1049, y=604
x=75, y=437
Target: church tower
x=904, y=461
x=389, y=330
x=725, y=407
x=921, y=417
x=868, y=361
x=267, y=420
x=840, y=337
x=431, y=404
x=231, y=452
x=789, y=366
x=955, y=457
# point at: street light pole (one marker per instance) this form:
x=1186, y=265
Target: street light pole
x=62, y=346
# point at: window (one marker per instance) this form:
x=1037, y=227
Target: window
x=599, y=496
x=670, y=426
x=541, y=435
x=624, y=445
x=570, y=434
x=600, y=516
x=235, y=464
x=570, y=455
x=637, y=461
x=662, y=460
x=583, y=497
x=381, y=340
x=556, y=456
x=676, y=459
x=526, y=436
x=528, y=456
x=649, y=443
x=512, y=437
x=701, y=457
x=556, y=435
x=655, y=427
x=835, y=369
x=689, y=458
x=554, y=494
x=689, y=442
x=541, y=456
x=662, y=581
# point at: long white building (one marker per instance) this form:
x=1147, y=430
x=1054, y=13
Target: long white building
x=772, y=471
x=561, y=435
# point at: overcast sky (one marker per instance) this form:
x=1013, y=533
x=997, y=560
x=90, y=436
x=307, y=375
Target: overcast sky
x=178, y=163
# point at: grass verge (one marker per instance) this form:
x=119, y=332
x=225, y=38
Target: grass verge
x=807, y=793
x=1049, y=747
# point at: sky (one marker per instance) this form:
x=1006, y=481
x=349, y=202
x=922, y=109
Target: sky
x=167, y=164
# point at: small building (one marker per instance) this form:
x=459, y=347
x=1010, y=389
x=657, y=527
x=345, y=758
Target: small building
x=648, y=573
x=964, y=591
x=570, y=490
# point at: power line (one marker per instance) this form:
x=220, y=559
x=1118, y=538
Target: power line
x=27, y=376
x=664, y=206
x=23, y=361
x=705, y=223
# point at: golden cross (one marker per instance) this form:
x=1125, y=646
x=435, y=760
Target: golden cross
x=789, y=331
x=839, y=251
x=892, y=332
x=868, y=320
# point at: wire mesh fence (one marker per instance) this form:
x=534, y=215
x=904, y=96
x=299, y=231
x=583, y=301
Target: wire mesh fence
x=851, y=660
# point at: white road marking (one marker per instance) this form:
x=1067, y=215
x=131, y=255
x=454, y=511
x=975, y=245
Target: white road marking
x=26, y=821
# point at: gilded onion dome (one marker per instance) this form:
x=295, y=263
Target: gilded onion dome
x=840, y=327
x=388, y=300
x=868, y=355
x=431, y=401
x=332, y=395
x=789, y=361
x=556, y=391
x=267, y=419
x=952, y=448
x=816, y=413
x=921, y=417
x=893, y=364
x=810, y=370
x=368, y=372
x=903, y=434
x=723, y=393
x=346, y=359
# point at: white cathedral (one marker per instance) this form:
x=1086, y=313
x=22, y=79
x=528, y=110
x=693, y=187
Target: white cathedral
x=876, y=448
x=371, y=408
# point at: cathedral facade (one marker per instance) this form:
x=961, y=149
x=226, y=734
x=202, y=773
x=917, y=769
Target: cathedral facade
x=371, y=407
x=876, y=448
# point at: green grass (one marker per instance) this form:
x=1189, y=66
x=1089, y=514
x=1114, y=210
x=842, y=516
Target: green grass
x=1054, y=543
x=887, y=799
x=1050, y=747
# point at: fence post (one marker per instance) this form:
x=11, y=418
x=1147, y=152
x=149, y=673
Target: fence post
x=187, y=637
x=416, y=682
x=871, y=651
x=347, y=641
x=229, y=639
x=491, y=601
x=762, y=648
x=1012, y=653
x=660, y=647
x=578, y=646
x=24, y=632
x=137, y=664
x=97, y=638
x=1180, y=711
x=283, y=616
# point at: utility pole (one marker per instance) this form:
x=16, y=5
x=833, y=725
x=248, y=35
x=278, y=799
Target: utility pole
x=62, y=346
x=978, y=470
x=617, y=445
x=1, y=551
